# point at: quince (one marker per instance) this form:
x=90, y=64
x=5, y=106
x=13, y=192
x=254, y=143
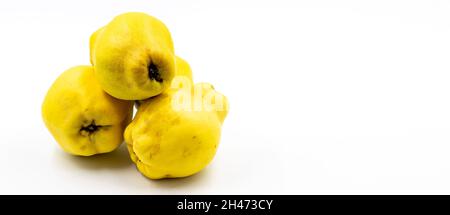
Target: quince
x=176, y=134
x=82, y=118
x=133, y=56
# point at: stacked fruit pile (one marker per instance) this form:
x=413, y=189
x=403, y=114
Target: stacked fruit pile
x=89, y=109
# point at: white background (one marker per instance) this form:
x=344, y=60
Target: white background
x=327, y=97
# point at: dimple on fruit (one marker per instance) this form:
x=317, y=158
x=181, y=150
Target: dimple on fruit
x=82, y=118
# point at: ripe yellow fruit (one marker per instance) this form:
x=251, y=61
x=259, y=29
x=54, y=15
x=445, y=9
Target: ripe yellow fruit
x=176, y=134
x=133, y=56
x=82, y=118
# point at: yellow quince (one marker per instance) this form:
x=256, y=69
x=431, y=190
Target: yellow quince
x=82, y=118
x=133, y=56
x=176, y=134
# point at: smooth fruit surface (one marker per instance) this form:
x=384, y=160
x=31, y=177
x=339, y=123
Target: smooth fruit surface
x=82, y=118
x=171, y=138
x=133, y=56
